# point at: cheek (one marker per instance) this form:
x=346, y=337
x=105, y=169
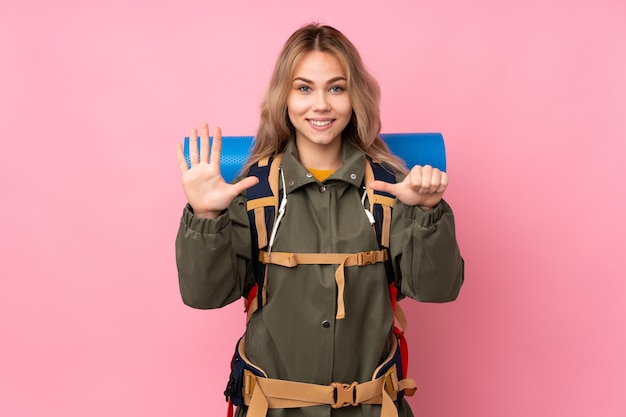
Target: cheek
x=291, y=118
x=295, y=106
x=291, y=111
x=344, y=107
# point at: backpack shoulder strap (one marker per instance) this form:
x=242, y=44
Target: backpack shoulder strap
x=262, y=203
x=381, y=203
x=262, y=207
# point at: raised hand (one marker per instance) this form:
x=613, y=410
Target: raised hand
x=205, y=188
x=423, y=186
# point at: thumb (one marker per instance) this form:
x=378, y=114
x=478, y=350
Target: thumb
x=245, y=183
x=383, y=186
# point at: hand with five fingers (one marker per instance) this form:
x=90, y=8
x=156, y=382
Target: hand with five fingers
x=206, y=190
x=423, y=186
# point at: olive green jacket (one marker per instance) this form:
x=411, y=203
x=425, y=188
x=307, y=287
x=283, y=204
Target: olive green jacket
x=296, y=336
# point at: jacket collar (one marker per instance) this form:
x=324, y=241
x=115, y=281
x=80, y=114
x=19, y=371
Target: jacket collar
x=296, y=175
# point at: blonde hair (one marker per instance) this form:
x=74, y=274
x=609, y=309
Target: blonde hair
x=363, y=131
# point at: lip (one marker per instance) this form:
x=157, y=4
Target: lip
x=320, y=124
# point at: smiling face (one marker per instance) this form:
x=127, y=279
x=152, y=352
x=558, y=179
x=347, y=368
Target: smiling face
x=318, y=103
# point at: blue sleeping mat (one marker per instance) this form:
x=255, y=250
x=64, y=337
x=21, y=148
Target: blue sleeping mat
x=414, y=148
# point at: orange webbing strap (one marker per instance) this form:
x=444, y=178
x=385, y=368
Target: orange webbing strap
x=399, y=315
x=258, y=205
x=261, y=394
x=290, y=260
x=386, y=202
x=400, y=318
x=274, y=186
x=273, y=178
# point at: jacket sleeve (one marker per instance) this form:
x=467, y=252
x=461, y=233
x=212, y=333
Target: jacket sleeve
x=213, y=257
x=427, y=261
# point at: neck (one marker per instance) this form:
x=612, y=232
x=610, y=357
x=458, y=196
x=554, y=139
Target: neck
x=323, y=157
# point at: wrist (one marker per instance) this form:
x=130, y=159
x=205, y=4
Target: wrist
x=206, y=214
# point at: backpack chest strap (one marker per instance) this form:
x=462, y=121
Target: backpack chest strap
x=291, y=260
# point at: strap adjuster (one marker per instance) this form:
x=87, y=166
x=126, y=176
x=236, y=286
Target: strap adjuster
x=344, y=394
x=391, y=384
x=366, y=258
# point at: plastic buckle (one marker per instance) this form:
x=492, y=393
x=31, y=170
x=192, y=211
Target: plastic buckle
x=366, y=258
x=344, y=394
x=391, y=381
x=249, y=383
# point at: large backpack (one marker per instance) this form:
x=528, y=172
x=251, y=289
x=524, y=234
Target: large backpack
x=265, y=210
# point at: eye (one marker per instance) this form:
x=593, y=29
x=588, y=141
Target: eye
x=304, y=89
x=337, y=89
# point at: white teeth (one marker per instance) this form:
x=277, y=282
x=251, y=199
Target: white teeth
x=320, y=123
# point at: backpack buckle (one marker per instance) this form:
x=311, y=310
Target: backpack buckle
x=391, y=381
x=366, y=258
x=344, y=394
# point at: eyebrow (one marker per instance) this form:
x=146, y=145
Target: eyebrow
x=331, y=81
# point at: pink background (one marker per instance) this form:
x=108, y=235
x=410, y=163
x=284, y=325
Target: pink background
x=530, y=97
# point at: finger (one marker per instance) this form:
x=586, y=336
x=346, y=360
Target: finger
x=383, y=186
x=427, y=178
x=193, y=147
x=245, y=183
x=180, y=157
x=204, y=142
x=216, y=147
x=435, y=181
x=414, y=179
x=444, y=183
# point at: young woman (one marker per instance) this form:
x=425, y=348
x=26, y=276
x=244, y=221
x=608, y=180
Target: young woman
x=319, y=339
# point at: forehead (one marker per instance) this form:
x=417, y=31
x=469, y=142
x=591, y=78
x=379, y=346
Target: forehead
x=319, y=64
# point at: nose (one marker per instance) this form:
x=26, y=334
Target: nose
x=321, y=102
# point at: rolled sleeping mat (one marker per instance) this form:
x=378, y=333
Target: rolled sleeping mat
x=413, y=148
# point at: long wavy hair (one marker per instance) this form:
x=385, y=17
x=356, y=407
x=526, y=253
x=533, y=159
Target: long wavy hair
x=363, y=131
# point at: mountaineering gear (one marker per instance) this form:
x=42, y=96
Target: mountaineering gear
x=265, y=214
x=296, y=336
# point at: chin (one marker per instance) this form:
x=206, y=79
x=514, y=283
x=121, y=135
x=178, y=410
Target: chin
x=326, y=141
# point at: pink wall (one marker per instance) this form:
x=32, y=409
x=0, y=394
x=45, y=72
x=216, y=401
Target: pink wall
x=530, y=97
